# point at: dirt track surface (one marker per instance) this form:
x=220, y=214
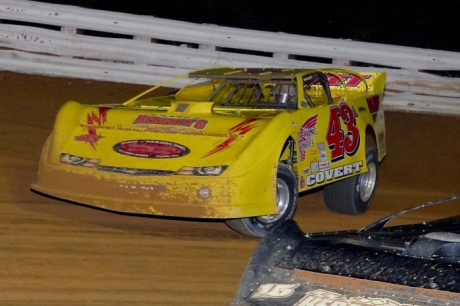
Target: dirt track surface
x=56, y=253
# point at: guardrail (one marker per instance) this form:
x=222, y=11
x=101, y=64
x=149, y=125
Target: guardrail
x=69, y=41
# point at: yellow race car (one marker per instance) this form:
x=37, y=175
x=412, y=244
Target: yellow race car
x=233, y=144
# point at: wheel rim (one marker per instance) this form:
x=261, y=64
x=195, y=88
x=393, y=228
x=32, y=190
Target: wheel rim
x=367, y=182
x=282, y=202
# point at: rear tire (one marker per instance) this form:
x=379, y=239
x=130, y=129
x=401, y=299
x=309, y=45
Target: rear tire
x=353, y=196
x=286, y=203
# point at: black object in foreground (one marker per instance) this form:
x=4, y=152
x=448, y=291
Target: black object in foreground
x=416, y=264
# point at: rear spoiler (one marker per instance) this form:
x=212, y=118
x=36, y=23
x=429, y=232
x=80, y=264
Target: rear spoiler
x=369, y=82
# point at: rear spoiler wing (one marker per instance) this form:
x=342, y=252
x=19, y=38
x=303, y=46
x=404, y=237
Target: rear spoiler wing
x=369, y=82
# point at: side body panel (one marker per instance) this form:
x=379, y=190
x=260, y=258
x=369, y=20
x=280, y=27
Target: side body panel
x=331, y=138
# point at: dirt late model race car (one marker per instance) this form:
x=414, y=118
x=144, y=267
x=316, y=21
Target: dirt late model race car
x=233, y=144
x=399, y=265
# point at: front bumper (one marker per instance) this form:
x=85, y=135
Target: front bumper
x=179, y=196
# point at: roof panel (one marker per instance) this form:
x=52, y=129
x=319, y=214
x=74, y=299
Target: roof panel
x=245, y=73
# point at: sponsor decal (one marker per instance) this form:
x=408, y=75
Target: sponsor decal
x=334, y=173
x=322, y=156
x=320, y=146
x=302, y=182
x=151, y=149
x=305, y=170
x=320, y=297
x=175, y=121
x=93, y=120
x=307, y=131
x=235, y=132
x=324, y=165
x=314, y=167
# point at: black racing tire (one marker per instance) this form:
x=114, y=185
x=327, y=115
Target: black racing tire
x=286, y=202
x=353, y=196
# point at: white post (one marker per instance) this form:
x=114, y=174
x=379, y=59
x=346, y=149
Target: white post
x=142, y=38
x=281, y=55
x=207, y=47
x=70, y=30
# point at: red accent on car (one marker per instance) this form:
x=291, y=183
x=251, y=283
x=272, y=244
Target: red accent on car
x=94, y=120
x=373, y=103
x=334, y=80
x=92, y=139
x=239, y=129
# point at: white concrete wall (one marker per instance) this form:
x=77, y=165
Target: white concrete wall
x=157, y=49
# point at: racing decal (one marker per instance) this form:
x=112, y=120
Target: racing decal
x=236, y=131
x=302, y=182
x=342, y=142
x=332, y=174
x=350, y=80
x=320, y=297
x=307, y=131
x=93, y=122
x=275, y=291
x=151, y=149
x=175, y=121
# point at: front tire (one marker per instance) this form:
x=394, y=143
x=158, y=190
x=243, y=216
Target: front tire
x=353, y=196
x=286, y=203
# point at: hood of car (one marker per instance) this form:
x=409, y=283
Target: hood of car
x=149, y=137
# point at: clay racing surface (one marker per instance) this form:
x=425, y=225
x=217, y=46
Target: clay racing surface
x=57, y=253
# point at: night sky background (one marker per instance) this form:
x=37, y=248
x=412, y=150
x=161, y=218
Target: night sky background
x=423, y=24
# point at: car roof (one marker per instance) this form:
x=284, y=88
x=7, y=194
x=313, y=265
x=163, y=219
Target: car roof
x=247, y=73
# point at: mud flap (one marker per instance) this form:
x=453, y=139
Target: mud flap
x=287, y=268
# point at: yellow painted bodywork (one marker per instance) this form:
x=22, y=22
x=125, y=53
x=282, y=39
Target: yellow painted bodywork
x=248, y=141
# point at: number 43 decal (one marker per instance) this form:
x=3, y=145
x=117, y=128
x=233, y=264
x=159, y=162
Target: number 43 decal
x=342, y=142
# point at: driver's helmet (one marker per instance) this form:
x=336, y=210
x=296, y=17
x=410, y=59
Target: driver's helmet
x=284, y=93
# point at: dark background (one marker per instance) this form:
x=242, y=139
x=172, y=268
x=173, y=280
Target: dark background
x=423, y=24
